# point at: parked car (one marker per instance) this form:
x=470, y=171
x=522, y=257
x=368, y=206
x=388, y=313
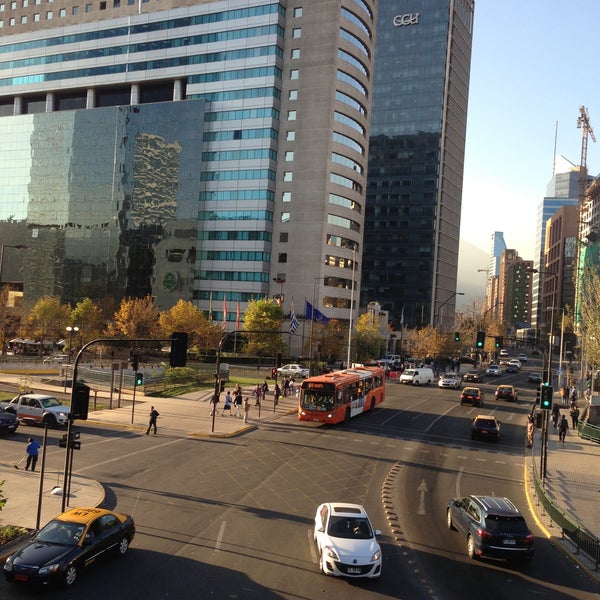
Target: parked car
x=493, y=371
x=471, y=395
x=449, y=380
x=507, y=392
x=474, y=375
x=68, y=544
x=346, y=541
x=8, y=421
x=293, y=370
x=55, y=359
x=486, y=427
x=492, y=526
x=535, y=378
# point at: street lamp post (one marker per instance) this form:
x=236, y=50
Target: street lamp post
x=439, y=310
x=71, y=331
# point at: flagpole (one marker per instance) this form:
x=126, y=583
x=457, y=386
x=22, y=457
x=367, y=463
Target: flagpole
x=351, y=308
x=312, y=324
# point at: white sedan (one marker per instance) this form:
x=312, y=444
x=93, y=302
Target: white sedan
x=450, y=380
x=293, y=370
x=346, y=541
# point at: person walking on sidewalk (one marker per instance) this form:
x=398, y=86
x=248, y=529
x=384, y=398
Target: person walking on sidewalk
x=562, y=429
x=246, y=408
x=555, y=415
x=575, y=417
x=237, y=402
x=227, y=407
x=33, y=448
x=154, y=414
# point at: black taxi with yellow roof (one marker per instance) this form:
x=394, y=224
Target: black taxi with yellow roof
x=68, y=544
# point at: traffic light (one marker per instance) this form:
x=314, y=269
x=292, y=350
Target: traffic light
x=74, y=444
x=499, y=342
x=273, y=373
x=179, y=344
x=134, y=357
x=80, y=401
x=457, y=336
x=480, y=342
x=139, y=379
x=546, y=393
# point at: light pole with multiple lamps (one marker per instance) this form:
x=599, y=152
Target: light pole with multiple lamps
x=71, y=331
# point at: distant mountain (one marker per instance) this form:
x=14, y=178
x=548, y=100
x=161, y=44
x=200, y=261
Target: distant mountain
x=470, y=280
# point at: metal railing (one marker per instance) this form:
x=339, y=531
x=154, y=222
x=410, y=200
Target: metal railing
x=583, y=540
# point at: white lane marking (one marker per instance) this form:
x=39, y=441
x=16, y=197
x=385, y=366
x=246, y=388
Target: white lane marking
x=220, y=537
x=458, y=479
x=422, y=489
x=439, y=417
x=312, y=546
x=123, y=456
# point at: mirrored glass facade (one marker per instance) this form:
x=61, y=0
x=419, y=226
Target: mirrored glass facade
x=106, y=200
x=416, y=156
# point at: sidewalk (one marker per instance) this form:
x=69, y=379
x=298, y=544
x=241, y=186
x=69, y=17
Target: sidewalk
x=572, y=483
x=184, y=416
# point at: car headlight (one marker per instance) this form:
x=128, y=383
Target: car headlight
x=48, y=569
x=376, y=556
x=8, y=565
x=331, y=553
x=62, y=415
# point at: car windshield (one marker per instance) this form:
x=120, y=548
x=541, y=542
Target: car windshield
x=350, y=528
x=496, y=523
x=49, y=402
x=61, y=532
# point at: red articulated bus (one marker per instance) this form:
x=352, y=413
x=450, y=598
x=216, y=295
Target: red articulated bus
x=341, y=395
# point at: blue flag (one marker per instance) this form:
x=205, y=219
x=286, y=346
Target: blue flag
x=314, y=314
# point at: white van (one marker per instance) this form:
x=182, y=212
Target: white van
x=420, y=376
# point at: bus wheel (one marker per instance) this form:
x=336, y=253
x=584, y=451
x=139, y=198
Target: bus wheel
x=347, y=416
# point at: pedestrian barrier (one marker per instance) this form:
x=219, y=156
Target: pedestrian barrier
x=582, y=539
x=589, y=431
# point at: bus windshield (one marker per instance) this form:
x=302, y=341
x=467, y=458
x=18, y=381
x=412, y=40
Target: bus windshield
x=319, y=400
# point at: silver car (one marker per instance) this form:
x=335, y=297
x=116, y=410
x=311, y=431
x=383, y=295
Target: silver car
x=450, y=380
x=293, y=370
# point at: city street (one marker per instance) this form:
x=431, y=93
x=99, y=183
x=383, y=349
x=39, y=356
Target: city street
x=232, y=517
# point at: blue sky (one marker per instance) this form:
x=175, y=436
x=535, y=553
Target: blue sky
x=534, y=63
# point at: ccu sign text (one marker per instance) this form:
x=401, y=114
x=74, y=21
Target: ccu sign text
x=407, y=19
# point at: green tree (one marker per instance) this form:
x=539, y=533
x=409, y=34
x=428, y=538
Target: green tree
x=367, y=340
x=590, y=320
x=427, y=342
x=331, y=338
x=89, y=318
x=47, y=320
x=266, y=316
x=135, y=318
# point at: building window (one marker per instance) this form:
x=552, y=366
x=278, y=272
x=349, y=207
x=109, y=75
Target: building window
x=62, y=12
x=13, y=5
x=75, y=10
x=49, y=15
x=1, y=7
x=290, y=136
x=116, y=3
x=23, y=20
x=289, y=156
x=283, y=257
x=12, y=22
x=291, y=115
x=295, y=53
x=102, y=6
x=294, y=73
x=89, y=8
x=297, y=12
x=297, y=33
x=283, y=237
x=286, y=197
x=285, y=217
x=288, y=176
x=293, y=95
x=36, y=17
x=25, y=3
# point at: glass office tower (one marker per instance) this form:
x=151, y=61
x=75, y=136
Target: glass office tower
x=416, y=156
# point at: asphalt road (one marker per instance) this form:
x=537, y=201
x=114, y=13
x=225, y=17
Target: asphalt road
x=232, y=518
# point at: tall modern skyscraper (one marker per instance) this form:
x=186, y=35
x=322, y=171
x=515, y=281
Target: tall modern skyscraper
x=416, y=157
x=214, y=151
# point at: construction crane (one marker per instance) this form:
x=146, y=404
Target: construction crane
x=583, y=123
